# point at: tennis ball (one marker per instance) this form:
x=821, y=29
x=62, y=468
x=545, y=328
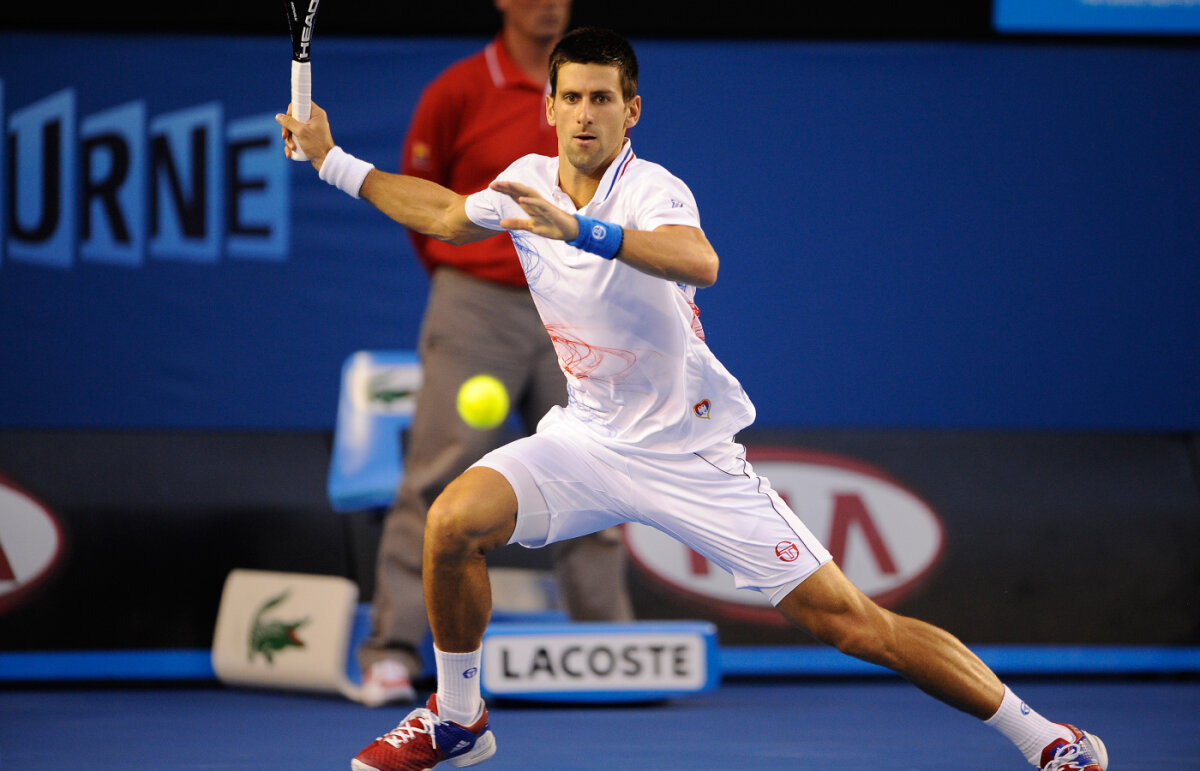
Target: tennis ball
x=482, y=402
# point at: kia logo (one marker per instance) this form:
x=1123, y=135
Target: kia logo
x=882, y=535
x=30, y=544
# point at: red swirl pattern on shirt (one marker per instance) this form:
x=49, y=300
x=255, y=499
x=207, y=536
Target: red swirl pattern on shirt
x=581, y=359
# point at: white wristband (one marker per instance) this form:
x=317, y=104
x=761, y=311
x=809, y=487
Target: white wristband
x=344, y=171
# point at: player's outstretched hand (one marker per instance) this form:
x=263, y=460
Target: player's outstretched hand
x=545, y=219
x=313, y=137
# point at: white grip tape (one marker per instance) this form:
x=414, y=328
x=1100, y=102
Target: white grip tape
x=301, y=98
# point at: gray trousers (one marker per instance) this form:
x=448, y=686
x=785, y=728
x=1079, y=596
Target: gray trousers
x=470, y=327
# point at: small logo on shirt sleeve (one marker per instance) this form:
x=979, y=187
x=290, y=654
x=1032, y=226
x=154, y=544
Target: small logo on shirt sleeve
x=702, y=409
x=421, y=156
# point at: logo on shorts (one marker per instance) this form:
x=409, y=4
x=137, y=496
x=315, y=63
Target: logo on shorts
x=702, y=409
x=787, y=551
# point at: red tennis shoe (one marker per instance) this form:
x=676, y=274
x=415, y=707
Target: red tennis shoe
x=424, y=739
x=1085, y=752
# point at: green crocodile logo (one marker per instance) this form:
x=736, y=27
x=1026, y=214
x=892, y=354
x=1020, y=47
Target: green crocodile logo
x=268, y=637
x=384, y=387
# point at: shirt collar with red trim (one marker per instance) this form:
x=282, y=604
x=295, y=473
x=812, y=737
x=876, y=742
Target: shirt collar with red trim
x=608, y=182
x=615, y=171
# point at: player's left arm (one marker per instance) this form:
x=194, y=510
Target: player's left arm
x=675, y=252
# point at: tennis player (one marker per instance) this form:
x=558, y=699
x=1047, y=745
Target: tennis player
x=470, y=123
x=613, y=252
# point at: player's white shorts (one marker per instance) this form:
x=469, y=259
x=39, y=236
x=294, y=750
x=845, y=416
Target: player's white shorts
x=568, y=484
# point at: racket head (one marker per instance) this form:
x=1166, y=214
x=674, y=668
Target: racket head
x=301, y=18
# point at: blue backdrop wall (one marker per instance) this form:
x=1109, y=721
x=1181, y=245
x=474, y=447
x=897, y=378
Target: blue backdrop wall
x=991, y=235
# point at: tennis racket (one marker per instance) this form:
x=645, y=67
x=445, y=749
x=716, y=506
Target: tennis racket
x=301, y=15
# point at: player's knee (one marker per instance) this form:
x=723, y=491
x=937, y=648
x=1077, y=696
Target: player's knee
x=464, y=520
x=859, y=629
x=869, y=636
x=864, y=644
x=448, y=529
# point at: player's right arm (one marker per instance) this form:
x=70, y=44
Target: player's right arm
x=423, y=206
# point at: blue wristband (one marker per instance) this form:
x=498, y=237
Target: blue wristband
x=598, y=237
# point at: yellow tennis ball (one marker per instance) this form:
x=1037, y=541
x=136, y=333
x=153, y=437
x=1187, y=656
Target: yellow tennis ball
x=483, y=402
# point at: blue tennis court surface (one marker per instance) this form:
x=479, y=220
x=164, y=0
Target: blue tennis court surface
x=802, y=723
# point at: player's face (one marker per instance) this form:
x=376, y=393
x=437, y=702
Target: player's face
x=590, y=115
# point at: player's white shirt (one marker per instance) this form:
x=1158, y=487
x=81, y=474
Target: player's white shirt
x=639, y=373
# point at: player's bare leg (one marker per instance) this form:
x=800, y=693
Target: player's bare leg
x=836, y=612
x=474, y=514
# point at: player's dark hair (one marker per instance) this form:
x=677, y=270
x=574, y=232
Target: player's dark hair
x=594, y=45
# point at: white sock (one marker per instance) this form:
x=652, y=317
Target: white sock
x=458, y=696
x=1025, y=728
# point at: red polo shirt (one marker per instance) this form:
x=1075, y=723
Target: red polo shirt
x=475, y=119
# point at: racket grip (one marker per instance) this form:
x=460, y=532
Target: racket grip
x=301, y=98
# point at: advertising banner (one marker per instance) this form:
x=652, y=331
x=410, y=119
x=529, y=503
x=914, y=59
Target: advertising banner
x=1001, y=537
